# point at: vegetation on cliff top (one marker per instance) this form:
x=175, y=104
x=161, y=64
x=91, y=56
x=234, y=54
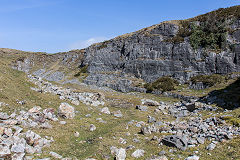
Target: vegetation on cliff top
x=208, y=80
x=163, y=84
x=207, y=30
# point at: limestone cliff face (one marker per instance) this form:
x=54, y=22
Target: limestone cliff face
x=146, y=55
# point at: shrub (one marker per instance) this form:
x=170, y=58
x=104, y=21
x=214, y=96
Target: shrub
x=163, y=84
x=210, y=35
x=208, y=80
x=83, y=70
x=211, y=31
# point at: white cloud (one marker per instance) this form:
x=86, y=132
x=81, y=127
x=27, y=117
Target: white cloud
x=86, y=43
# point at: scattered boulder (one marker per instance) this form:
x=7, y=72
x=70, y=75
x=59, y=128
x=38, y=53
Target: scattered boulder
x=35, y=109
x=92, y=128
x=66, y=111
x=211, y=146
x=149, y=102
x=201, y=140
x=121, y=154
x=190, y=106
x=62, y=122
x=157, y=158
x=75, y=102
x=175, y=141
x=138, y=153
x=76, y=134
x=142, y=108
x=194, y=157
x=151, y=119
x=105, y=110
x=55, y=155
x=117, y=114
x=4, y=116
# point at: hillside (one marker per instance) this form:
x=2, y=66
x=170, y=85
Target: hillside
x=169, y=91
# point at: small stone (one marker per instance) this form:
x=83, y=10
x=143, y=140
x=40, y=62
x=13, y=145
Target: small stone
x=192, y=158
x=76, y=134
x=118, y=114
x=142, y=108
x=18, y=156
x=201, y=140
x=18, y=148
x=149, y=102
x=151, y=119
x=92, y=128
x=88, y=115
x=62, y=122
x=4, y=150
x=46, y=125
x=105, y=110
x=161, y=153
x=55, y=155
x=130, y=147
x=138, y=153
x=4, y=116
x=8, y=132
x=122, y=141
x=35, y=109
x=211, y=146
x=121, y=154
x=75, y=102
x=136, y=140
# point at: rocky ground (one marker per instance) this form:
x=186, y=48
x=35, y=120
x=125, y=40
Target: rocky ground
x=121, y=126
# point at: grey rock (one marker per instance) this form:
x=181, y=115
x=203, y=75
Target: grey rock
x=92, y=128
x=142, y=108
x=121, y=154
x=211, y=146
x=201, y=140
x=18, y=148
x=138, y=153
x=176, y=141
x=62, y=122
x=66, y=111
x=151, y=119
x=4, y=150
x=18, y=156
x=118, y=114
x=55, y=155
x=161, y=153
x=149, y=102
x=192, y=158
x=4, y=116
x=105, y=110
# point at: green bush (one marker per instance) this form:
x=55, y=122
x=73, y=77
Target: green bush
x=163, y=84
x=208, y=80
x=211, y=31
x=83, y=70
x=208, y=35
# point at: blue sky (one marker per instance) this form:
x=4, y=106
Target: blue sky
x=61, y=25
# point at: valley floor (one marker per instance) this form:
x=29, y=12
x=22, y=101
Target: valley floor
x=105, y=121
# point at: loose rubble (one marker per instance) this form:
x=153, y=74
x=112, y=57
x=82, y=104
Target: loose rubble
x=187, y=133
x=94, y=99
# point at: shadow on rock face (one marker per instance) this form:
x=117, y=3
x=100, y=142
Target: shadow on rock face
x=227, y=98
